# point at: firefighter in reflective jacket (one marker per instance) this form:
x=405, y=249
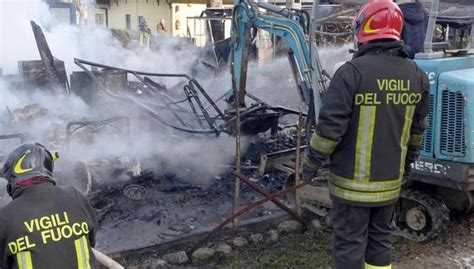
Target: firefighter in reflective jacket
x=369, y=131
x=45, y=226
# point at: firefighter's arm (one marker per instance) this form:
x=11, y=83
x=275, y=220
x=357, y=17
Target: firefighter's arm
x=419, y=124
x=334, y=116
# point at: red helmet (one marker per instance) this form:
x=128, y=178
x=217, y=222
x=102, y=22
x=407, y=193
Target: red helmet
x=378, y=19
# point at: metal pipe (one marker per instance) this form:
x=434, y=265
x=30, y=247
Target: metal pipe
x=190, y=96
x=237, y=159
x=275, y=9
x=298, y=158
x=105, y=260
x=81, y=61
x=428, y=44
x=274, y=200
x=93, y=123
x=247, y=209
x=201, y=107
x=167, y=105
x=335, y=15
x=12, y=136
x=208, y=98
x=139, y=103
x=333, y=34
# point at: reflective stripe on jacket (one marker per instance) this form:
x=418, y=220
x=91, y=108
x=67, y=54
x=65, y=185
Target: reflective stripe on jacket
x=371, y=124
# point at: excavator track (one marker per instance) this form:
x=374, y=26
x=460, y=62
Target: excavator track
x=420, y=216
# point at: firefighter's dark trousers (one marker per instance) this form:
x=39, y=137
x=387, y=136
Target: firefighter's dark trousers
x=361, y=236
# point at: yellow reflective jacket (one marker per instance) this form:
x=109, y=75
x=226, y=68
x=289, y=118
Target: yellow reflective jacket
x=371, y=124
x=47, y=227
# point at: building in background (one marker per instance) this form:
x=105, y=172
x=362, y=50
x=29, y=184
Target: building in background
x=63, y=11
x=180, y=18
x=127, y=14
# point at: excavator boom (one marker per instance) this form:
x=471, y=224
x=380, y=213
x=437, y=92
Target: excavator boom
x=290, y=25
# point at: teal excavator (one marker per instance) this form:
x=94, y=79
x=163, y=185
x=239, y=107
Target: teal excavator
x=443, y=178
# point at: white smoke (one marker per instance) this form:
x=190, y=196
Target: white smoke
x=182, y=152
x=188, y=155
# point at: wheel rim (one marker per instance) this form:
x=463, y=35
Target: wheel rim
x=416, y=218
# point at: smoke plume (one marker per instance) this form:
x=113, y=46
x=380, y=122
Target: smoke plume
x=192, y=157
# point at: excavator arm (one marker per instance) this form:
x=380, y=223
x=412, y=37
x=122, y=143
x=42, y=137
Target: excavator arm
x=292, y=26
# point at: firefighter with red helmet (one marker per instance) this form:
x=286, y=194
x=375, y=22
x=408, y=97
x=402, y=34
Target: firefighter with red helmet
x=45, y=226
x=369, y=131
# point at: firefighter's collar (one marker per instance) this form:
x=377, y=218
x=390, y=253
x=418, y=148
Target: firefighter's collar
x=394, y=47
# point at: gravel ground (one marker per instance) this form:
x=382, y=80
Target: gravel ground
x=312, y=249
x=452, y=249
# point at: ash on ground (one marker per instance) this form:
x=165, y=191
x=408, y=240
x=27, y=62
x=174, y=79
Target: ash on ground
x=150, y=209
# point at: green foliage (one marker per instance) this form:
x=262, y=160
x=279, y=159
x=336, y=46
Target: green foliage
x=121, y=35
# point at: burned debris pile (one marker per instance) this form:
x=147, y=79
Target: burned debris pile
x=154, y=152
x=166, y=207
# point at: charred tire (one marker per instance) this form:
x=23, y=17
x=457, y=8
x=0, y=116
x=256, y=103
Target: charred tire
x=420, y=216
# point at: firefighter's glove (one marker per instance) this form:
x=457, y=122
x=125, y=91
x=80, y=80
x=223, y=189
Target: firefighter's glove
x=309, y=170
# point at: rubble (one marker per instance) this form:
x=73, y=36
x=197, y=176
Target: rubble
x=223, y=248
x=157, y=205
x=273, y=236
x=28, y=113
x=113, y=169
x=152, y=264
x=240, y=242
x=256, y=238
x=160, y=264
x=316, y=224
x=177, y=258
x=290, y=227
x=203, y=254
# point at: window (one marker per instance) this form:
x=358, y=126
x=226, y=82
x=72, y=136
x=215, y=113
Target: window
x=128, y=21
x=99, y=19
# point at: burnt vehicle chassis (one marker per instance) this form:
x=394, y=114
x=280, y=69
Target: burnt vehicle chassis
x=203, y=115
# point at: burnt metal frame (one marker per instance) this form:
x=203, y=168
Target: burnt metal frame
x=106, y=122
x=211, y=115
x=260, y=190
x=13, y=136
x=165, y=100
